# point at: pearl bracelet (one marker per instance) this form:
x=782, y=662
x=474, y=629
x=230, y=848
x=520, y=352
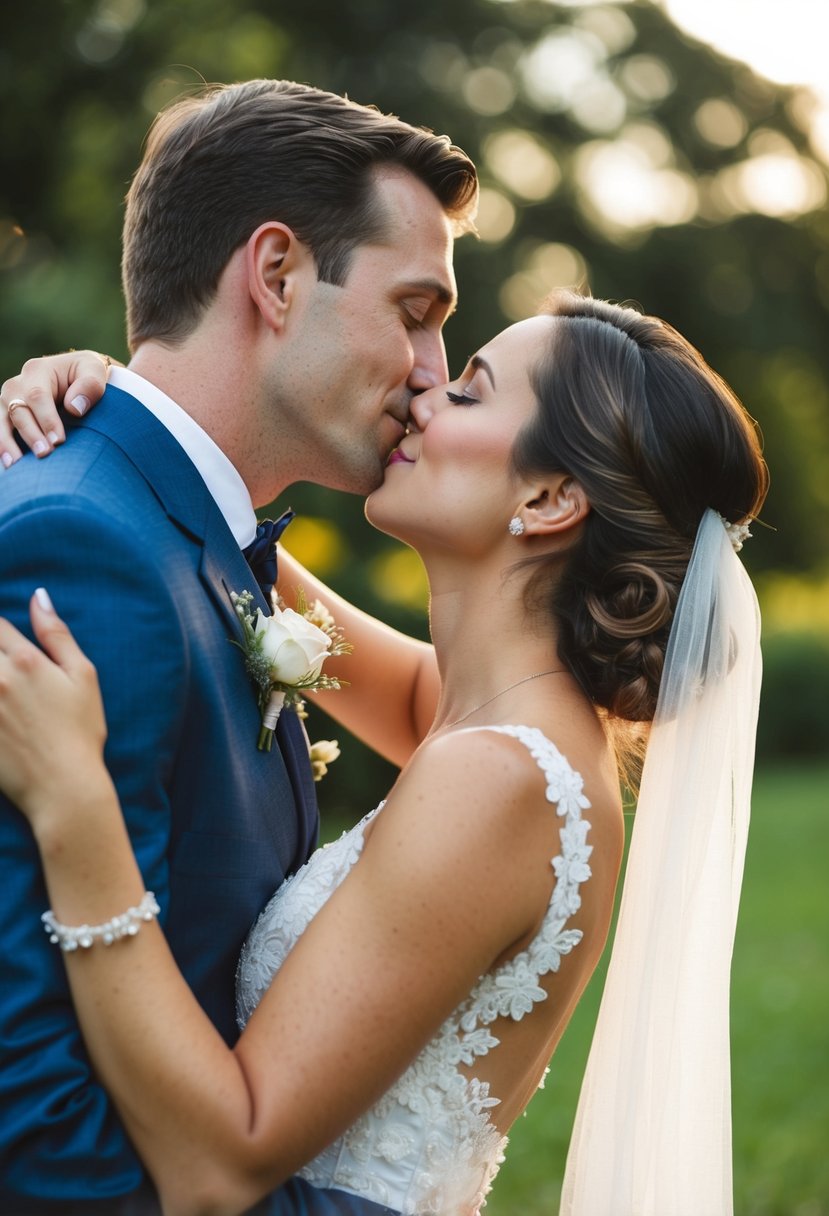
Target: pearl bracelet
x=70, y=937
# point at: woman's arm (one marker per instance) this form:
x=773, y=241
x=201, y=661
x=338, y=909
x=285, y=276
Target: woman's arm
x=392, y=681
x=434, y=900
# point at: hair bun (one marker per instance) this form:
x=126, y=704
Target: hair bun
x=627, y=620
x=633, y=601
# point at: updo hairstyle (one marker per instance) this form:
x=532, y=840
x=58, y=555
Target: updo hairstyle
x=636, y=415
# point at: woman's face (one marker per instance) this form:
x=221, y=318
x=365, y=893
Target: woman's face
x=450, y=483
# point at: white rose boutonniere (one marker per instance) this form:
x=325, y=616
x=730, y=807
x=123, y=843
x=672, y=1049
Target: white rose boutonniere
x=284, y=654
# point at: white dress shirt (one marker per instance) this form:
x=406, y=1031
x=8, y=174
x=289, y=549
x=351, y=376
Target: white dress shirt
x=218, y=474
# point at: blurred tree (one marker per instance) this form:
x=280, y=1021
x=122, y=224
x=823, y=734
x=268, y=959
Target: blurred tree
x=615, y=154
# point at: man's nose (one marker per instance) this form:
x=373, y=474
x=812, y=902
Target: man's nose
x=429, y=367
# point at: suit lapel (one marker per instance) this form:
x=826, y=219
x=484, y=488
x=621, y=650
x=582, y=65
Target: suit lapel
x=176, y=483
x=178, y=486
x=223, y=570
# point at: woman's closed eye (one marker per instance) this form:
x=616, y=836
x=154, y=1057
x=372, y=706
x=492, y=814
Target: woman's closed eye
x=461, y=398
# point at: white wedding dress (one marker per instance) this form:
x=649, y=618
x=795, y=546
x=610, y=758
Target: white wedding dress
x=428, y=1147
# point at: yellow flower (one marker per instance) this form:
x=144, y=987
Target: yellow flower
x=321, y=754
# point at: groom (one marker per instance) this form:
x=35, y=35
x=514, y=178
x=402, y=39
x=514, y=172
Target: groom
x=287, y=269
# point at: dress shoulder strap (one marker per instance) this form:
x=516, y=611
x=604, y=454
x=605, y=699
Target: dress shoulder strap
x=565, y=786
x=513, y=989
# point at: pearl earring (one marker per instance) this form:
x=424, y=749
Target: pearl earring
x=516, y=526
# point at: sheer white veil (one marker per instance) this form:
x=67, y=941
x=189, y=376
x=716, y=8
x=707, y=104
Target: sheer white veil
x=652, y=1135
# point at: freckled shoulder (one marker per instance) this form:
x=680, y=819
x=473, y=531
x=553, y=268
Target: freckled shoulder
x=468, y=829
x=487, y=781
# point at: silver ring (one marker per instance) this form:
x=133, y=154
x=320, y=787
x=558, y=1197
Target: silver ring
x=17, y=404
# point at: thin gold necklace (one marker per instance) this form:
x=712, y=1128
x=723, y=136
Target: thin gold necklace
x=555, y=671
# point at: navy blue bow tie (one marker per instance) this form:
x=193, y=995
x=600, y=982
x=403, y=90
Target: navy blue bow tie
x=261, y=552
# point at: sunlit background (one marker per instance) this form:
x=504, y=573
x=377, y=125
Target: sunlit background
x=672, y=154
x=785, y=43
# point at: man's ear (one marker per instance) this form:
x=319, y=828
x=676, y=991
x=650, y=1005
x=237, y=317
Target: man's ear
x=274, y=260
x=555, y=507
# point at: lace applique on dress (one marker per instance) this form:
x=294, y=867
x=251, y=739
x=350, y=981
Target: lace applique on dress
x=286, y=917
x=428, y=1147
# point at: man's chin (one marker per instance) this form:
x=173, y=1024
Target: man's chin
x=362, y=481
x=374, y=478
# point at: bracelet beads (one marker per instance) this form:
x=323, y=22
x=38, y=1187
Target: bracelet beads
x=71, y=937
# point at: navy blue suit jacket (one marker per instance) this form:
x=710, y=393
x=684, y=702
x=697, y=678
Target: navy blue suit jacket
x=120, y=528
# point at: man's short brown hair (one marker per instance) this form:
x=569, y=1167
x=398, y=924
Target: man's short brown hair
x=219, y=164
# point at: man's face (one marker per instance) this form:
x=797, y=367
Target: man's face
x=360, y=352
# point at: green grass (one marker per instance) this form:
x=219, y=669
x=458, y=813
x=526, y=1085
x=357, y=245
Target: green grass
x=780, y=1026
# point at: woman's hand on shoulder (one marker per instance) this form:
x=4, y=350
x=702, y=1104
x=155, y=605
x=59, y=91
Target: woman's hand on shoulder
x=52, y=727
x=29, y=401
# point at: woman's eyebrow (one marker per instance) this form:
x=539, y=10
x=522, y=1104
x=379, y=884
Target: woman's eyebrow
x=478, y=362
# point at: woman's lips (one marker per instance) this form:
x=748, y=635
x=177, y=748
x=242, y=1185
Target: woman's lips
x=397, y=456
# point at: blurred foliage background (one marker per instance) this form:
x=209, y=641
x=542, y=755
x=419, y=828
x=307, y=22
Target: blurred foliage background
x=616, y=155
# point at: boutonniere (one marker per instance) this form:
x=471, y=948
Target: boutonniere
x=284, y=654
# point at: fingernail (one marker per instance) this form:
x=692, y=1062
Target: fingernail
x=53, y=437
x=40, y=447
x=7, y=460
x=42, y=597
x=80, y=405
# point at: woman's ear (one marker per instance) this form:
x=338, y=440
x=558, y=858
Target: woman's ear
x=274, y=260
x=555, y=507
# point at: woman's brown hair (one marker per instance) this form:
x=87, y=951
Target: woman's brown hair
x=631, y=410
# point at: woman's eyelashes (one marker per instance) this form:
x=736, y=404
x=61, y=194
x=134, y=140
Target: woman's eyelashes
x=461, y=398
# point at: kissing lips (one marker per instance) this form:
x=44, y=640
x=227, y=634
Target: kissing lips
x=397, y=456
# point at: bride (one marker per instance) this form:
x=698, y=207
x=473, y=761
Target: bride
x=577, y=496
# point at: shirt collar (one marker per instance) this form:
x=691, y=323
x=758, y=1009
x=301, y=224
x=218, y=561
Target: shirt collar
x=220, y=476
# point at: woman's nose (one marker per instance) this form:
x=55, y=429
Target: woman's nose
x=423, y=407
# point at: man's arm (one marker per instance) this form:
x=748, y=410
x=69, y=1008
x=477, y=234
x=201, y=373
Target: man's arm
x=60, y=1137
